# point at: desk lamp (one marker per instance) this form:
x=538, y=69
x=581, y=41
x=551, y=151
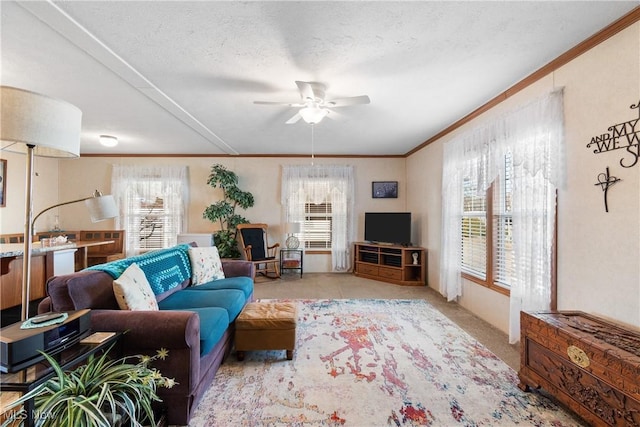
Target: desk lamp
x=36, y=125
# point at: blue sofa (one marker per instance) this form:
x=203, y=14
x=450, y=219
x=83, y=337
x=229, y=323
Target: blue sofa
x=194, y=323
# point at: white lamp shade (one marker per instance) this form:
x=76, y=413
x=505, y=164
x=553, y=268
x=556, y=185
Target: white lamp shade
x=292, y=227
x=51, y=125
x=101, y=208
x=313, y=114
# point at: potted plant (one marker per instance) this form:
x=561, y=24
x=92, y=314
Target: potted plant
x=224, y=211
x=103, y=392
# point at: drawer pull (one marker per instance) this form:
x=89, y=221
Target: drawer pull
x=578, y=356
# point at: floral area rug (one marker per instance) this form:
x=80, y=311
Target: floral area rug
x=374, y=363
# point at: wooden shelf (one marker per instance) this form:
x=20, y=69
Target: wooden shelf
x=393, y=264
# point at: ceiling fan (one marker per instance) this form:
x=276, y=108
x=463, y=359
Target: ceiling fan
x=313, y=105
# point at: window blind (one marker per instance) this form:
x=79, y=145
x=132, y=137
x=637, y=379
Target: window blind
x=316, y=230
x=474, y=231
x=503, y=226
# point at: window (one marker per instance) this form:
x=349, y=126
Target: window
x=474, y=231
x=152, y=203
x=502, y=222
x=317, y=226
x=520, y=210
x=320, y=199
x=487, y=253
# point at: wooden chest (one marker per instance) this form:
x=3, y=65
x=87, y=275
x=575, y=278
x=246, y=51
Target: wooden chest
x=587, y=363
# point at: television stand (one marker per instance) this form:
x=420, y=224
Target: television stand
x=391, y=263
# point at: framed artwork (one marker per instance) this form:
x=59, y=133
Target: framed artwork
x=3, y=182
x=384, y=189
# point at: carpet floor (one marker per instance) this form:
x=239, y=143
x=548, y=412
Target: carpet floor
x=374, y=363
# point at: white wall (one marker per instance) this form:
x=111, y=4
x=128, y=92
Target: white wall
x=598, y=252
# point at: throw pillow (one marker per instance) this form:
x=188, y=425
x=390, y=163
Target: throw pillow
x=205, y=265
x=132, y=290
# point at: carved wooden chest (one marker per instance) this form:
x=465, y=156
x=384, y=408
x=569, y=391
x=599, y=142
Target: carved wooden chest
x=587, y=363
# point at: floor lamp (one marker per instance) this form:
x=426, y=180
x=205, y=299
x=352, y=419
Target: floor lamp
x=38, y=126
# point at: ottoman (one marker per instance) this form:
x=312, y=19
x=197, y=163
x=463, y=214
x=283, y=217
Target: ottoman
x=266, y=326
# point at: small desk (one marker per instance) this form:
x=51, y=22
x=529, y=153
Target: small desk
x=83, y=246
x=291, y=259
x=29, y=378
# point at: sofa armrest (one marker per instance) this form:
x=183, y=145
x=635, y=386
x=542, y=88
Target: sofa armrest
x=45, y=305
x=236, y=268
x=149, y=331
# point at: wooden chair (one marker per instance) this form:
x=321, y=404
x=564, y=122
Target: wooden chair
x=255, y=245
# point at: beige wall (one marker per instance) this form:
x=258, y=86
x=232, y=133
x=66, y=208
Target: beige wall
x=598, y=252
x=259, y=175
x=45, y=191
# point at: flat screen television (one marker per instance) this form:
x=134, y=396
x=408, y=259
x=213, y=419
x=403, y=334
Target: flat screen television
x=388, y=227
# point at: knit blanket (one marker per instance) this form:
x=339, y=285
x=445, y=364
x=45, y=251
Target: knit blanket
x=165, y=268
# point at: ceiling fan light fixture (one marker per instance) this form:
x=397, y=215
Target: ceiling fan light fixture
x=108, y=140
x=313, y=114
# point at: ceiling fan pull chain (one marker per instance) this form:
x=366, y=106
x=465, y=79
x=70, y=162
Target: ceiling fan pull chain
x=312, y=157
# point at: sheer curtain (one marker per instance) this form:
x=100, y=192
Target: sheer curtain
x=534, y=134
x=320, y=184
x=135, y=187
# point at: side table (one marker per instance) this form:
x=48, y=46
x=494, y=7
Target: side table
x=291, y=259
x=30, y=377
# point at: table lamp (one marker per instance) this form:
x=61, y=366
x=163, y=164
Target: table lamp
x=36, y=125
x=292, y=228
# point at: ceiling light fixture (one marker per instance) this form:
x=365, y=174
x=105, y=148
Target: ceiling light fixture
x=108, y=140
x=313, y=114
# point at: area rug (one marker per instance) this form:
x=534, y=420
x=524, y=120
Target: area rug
x=374, y=363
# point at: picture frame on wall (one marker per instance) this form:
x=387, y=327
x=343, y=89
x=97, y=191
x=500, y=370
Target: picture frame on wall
x=3, y=183
x=384, y=189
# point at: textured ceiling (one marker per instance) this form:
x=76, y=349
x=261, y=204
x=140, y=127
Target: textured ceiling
x=181, y=77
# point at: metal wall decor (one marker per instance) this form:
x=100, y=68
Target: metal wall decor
x=621, y=136
x=605, y=181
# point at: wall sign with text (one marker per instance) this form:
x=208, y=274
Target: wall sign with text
x=621, y=136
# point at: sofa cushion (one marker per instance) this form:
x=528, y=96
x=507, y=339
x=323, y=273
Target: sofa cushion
x=231, y=300
x=205, y=265
x=132, y=290
x=214, y=321
x=241, y=283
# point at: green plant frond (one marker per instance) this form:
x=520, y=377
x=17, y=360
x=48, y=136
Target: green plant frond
x=244, y=199
x=222, y=177
x=90, y=412
x=56, y=366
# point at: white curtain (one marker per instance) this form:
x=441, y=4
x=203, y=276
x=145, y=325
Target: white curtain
x=534, y=134
x=322, y=184
x=133, y=186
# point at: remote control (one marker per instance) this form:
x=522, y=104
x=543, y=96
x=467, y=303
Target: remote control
x=45, y=318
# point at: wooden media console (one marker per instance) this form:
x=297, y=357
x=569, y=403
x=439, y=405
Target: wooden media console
x=394, y=264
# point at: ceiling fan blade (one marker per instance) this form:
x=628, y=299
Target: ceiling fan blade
x=290, y=104
x=344, y=102
x=306, y=91
x=294, y=119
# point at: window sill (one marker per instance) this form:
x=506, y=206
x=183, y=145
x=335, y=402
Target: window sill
x=500, y=289
x=316, y=252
